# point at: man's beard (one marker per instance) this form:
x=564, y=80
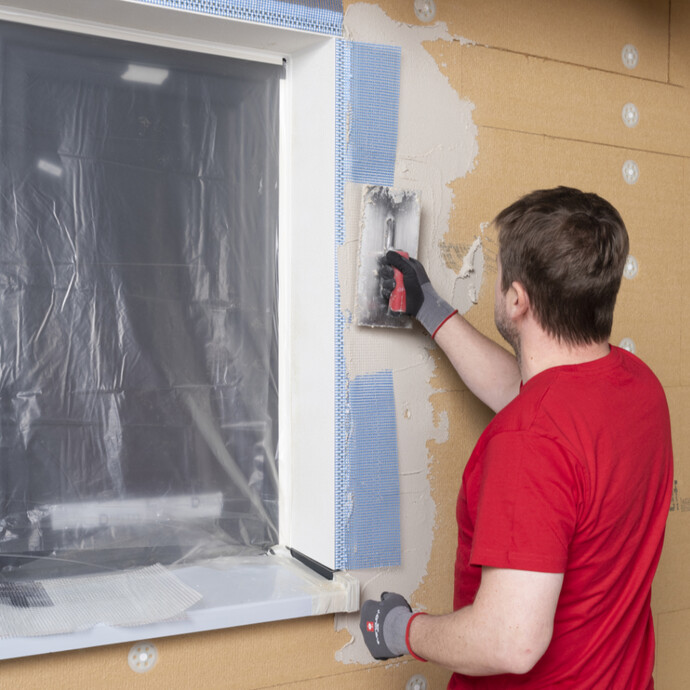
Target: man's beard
x=507, y=330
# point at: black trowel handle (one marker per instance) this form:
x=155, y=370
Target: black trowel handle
x=397, y=302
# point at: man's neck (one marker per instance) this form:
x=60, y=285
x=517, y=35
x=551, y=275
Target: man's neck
x=539, y=352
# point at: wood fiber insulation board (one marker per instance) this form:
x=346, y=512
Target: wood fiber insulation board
x=531, y=94
x=679, y=52
x=383, y=677
x=467, y=418
x=672, y=669
x=544, y=123
x=297, y=654
x=647, y=305
x=513, y=163
x=671, y=588
x=684, y=287
x=588, y=33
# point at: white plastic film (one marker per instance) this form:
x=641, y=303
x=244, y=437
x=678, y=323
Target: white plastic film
x=138, y=310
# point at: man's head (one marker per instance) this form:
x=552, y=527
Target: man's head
x=568, y=250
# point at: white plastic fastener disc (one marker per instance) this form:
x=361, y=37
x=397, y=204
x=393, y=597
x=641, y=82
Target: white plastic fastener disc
x=425, y=10
x=142, y=657
x=631, y=172
x=630, y=56
x=627, y=344
x=417, y=682
x=630, y=115
x=631, y=267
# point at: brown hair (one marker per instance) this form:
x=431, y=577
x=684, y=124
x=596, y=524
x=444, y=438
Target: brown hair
x=568, y=249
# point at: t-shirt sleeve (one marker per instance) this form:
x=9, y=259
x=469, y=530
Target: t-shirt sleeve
x=526, y=509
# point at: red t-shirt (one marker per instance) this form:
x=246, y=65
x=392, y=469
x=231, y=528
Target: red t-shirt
x=575, y=476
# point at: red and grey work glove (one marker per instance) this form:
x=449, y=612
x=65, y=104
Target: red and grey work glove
x=422, y=301
x=385, y=625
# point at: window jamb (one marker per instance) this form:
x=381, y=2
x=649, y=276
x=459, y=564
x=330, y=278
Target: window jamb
x=307, y=415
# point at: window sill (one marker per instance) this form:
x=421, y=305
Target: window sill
x=235, y=592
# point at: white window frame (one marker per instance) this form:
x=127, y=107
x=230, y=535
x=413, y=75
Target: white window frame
x=306, y=305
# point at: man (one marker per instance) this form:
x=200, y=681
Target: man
x=563, y=503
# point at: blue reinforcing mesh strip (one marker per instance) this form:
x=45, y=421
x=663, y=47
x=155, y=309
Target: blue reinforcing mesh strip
x=374, y=96
x=319, y=16
x=367, y=492
x=372, y=507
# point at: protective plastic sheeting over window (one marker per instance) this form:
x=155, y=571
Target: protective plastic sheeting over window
x=138, y=304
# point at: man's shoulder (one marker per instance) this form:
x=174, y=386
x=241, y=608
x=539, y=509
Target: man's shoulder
x=580, y=391
x=566, y=399
x=638, y=375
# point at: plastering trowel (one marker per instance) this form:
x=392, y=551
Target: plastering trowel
x=389, y=220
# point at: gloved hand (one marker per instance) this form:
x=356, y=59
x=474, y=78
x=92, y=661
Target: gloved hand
x=384, y=625
x=423, y=302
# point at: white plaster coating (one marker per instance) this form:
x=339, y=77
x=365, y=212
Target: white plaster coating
x=469, y=280
x=468, y=266
x=437, y=143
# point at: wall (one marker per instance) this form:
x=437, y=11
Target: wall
x=498, y=98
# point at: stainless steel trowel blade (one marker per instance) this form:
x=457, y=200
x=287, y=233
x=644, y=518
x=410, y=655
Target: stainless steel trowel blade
x=389, y=220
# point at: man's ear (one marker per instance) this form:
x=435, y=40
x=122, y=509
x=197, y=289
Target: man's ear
x=518, y=300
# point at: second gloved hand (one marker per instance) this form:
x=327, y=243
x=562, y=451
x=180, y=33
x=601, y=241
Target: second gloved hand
x=384, y=625
x=423, y=302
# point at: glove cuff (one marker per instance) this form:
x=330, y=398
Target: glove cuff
x=407, y=635
x=435, y=311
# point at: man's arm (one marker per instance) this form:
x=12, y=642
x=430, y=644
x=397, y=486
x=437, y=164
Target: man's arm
x=487, y=369
x=506, y=630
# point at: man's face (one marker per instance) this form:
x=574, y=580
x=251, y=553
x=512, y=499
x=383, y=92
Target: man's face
x=503, y=323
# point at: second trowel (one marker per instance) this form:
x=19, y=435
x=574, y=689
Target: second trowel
x=389, y=220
